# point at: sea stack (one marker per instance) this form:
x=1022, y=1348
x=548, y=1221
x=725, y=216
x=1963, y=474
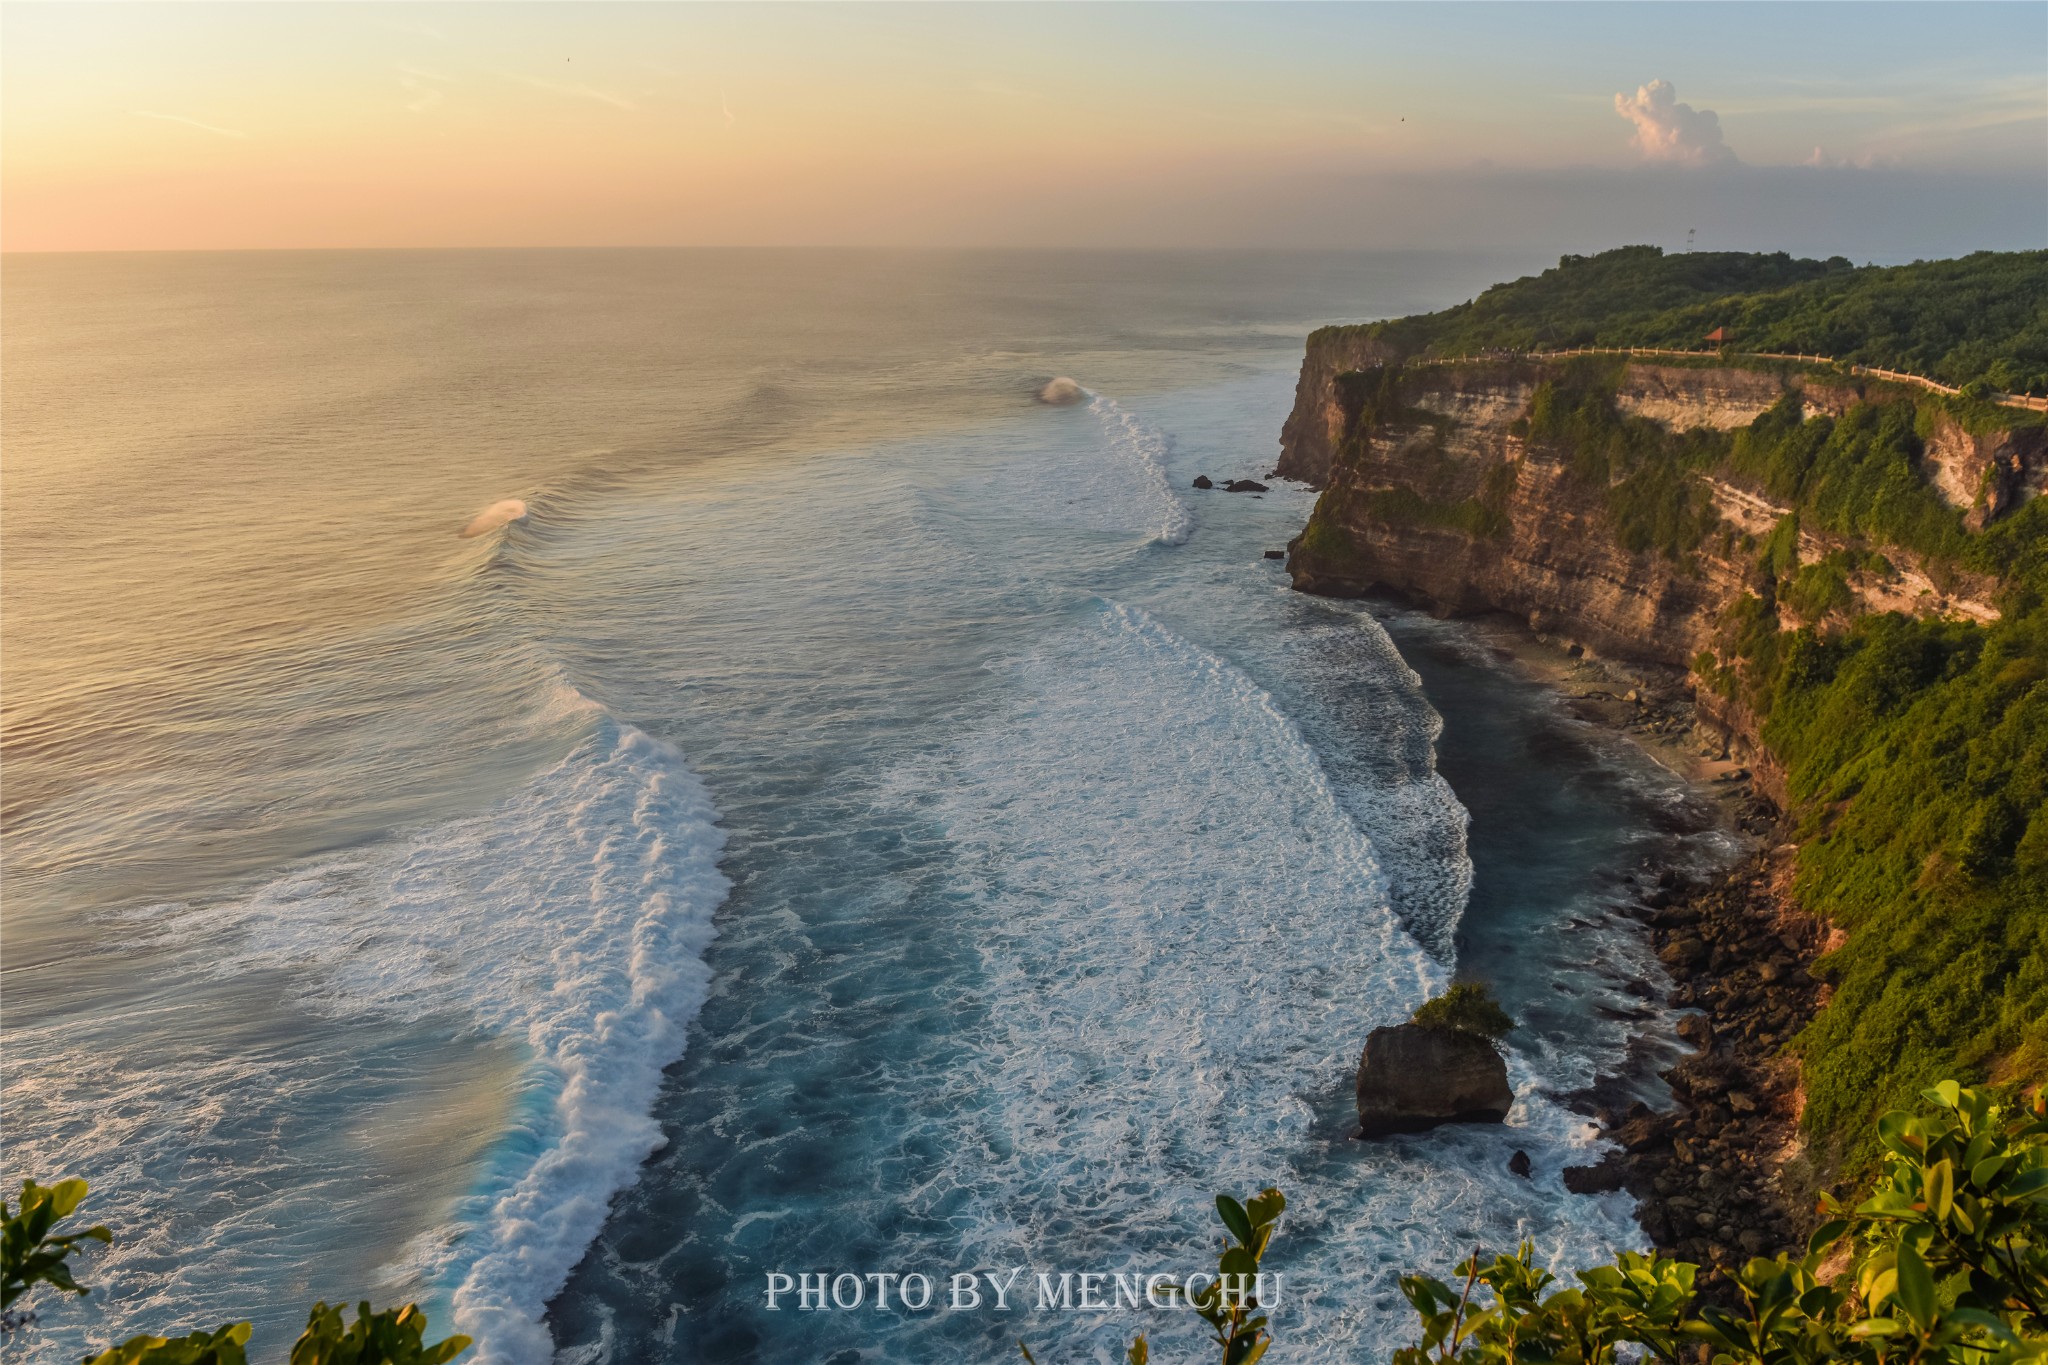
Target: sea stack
x=1412, y=1078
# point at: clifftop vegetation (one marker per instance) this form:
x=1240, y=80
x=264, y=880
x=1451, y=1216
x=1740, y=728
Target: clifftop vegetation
x=1982, y=317
x=1916, y=748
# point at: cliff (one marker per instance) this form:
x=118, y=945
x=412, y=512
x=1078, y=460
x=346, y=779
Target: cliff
x=1437, y=487
x=1851, y=578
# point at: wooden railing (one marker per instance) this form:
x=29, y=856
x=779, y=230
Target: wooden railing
x=2008, y=400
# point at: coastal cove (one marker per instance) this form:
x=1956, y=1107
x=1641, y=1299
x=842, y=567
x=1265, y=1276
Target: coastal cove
x=1829, y=585
x=1038, y=727
x=608, y=820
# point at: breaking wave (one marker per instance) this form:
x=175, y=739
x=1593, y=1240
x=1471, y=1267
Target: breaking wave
x=492, y=517
x=570, y=922
x=1146, y=448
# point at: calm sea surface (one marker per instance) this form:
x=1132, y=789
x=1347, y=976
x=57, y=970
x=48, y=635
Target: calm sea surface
x=861, y=819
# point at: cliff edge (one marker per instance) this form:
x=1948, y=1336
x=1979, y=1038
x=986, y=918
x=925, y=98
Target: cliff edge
x=1483, y=486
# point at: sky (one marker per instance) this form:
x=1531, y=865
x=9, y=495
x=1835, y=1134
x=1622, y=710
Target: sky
x=1879, y=131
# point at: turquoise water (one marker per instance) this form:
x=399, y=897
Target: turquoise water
x=901, y=813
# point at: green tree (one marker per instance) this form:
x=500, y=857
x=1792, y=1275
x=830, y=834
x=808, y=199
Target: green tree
x=1468, y=1007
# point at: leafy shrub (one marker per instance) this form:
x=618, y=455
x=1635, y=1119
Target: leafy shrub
x=32, y=1252
x=1468, y=1007
x=1948, y=1263
x=1229, y=1302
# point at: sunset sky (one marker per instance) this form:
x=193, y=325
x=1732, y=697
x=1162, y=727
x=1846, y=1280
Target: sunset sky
x=1885, y=131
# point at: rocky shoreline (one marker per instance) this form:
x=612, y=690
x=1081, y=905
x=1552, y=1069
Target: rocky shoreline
x=1723, y=1176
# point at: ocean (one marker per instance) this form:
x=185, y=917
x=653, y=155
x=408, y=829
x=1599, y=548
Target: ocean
x=859, y=819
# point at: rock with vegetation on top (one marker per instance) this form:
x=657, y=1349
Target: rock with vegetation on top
x=1440, y=1068
x=1411, y=1079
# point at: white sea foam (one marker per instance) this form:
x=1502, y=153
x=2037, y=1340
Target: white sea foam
x=1344, y=668
x=1144, y=448
x=571, y=920
x=1185, y=939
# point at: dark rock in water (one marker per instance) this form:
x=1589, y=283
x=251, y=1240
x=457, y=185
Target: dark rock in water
x=1244, y=486
x=1204, y=481
x=1276, y=554
x=1601, y=1179
x=1411, y=1079
x=1518, y=1164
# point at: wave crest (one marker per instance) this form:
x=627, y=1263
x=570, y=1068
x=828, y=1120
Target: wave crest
x=498, y=514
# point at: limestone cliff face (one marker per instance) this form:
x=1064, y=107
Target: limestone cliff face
x=1316, y=426
x=1450, y=505
x=1989, y=474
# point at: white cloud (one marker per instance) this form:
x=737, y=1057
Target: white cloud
x=421, y=95
x=193, y=123
x=1669, y=131
x=576, y=90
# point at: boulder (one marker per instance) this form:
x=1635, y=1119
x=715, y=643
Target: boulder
x=1697, y=1030
x=1276, y=554
x=1605, y=1178
x=1518, y=1164
x=1244, y=486
x=1204, y=481
x=1411, y=1079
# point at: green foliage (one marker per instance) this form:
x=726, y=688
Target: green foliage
x=1406, y=507
x=31, y=1253
x=1640, y=1299
x=1229, y=1302
x=34, y=1254
x=1978, y=318
x=1814, y=590
x=1949, y=1265
x=1648, y=476
x=1859, y=476
x=1918, y=753
x=1468, y=1007
x=1605, y=300
x=1371, y=398
x=1235, y=1322
x=392, y=1337
x=1325, y=540
x=222, y=1346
